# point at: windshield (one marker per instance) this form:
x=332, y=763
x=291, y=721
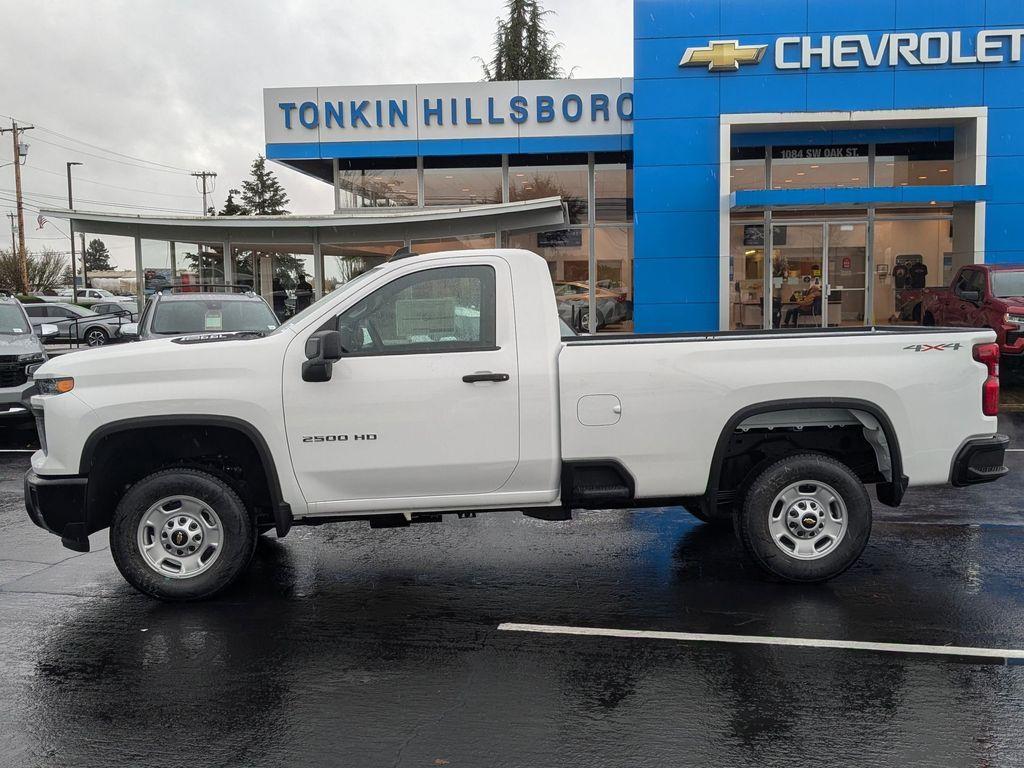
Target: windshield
x=13, y=320
x=212, y=316
x=1006, y=284
x=316, y=306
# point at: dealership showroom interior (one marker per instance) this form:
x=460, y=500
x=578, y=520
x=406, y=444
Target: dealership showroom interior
x=512, y=382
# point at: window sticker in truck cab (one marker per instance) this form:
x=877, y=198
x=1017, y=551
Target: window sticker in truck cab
x=932, y=347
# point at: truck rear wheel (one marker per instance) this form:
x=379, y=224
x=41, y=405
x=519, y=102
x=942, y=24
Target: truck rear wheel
x=181, y=534
x=805, y=518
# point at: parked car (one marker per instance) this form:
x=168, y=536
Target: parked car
x=75, y=323
x=982, y=296
x=182, y=314
x=21, y=353
x=384, y=402
x=126, y=309
x=85, y=296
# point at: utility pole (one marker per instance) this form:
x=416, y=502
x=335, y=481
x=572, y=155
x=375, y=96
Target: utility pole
x=71, y=224
x=14, y=232
x=203, y=176
x=20, y=153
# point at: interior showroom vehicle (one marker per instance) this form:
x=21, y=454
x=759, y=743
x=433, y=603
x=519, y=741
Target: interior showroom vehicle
x=441, y=384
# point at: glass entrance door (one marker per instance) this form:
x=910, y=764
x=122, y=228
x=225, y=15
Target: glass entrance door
x=846, y=274
x=797, y=281
x=818, y=275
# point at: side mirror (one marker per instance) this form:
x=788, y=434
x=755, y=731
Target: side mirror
x=48, y=331
x=971, y=296
x=322, y=349
x=129, y=331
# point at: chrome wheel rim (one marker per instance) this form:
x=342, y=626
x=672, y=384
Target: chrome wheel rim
x=807, y=520
x=95, y=338
x=180, y=537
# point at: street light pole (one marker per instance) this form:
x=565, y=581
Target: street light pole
x=74, y=266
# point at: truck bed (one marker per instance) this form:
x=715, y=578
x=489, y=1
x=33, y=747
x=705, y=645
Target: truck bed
x=676, y=392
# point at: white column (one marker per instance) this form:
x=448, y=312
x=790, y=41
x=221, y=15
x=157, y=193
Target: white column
x=140, y=277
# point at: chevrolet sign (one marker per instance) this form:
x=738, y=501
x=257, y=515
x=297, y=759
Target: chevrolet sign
x=890, y=49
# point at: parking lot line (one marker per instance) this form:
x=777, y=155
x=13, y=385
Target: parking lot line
x=1009, y=655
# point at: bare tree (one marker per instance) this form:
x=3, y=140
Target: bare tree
x=45, y=270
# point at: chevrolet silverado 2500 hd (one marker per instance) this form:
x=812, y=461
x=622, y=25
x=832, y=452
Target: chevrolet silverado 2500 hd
x=441, y=384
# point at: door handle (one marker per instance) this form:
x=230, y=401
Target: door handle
x=473, y=378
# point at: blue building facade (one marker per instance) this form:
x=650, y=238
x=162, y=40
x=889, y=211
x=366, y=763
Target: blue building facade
x=868, y=122
x=771, y=162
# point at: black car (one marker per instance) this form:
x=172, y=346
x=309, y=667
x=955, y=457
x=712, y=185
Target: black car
x=190, y=312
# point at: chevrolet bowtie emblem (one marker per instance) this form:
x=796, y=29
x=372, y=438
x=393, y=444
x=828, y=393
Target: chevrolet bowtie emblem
x=723, y=55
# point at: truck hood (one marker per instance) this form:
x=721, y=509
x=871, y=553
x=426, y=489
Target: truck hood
x=161, y=360
x=20, y=344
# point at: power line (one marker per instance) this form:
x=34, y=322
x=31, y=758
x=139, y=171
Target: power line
x=104, y=149
x=112, y=186
x=36, y=195
x=109, y=159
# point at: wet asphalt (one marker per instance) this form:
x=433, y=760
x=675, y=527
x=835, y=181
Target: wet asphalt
x=350, y=647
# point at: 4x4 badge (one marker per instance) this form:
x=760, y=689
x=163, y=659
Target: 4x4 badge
x=932, y=347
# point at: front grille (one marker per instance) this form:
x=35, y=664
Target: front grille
x=12, y=374
x=40, y=427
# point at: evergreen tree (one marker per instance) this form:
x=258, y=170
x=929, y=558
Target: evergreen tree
x=263, y=194
x=523, y=47
x=231, y=206
x=97, y=257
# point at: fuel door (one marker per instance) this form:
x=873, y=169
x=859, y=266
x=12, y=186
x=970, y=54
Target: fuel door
x=599, y=410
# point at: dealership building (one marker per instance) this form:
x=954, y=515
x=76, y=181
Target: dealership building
x=808, y=161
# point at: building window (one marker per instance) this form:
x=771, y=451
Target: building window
x=613, y=247
x=282, y=276
x=613, y=189
x=453, y=243
x=567, y=253
x=909, y=255
x=531, y=177
x=748, y=169
x=345, y=262
x=928, y=163
x=814, y=167
x=372, y=187
x=462, y=181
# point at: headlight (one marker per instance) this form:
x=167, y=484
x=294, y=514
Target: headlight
x=35, y=357
x=1013, y=318
x=51, y=386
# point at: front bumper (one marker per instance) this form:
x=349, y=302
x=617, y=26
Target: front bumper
x=980, y=461
x=58, y=505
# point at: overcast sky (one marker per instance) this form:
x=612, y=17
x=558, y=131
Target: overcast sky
x=179, y=83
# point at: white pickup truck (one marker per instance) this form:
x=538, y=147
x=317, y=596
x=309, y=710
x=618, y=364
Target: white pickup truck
x=442, y=384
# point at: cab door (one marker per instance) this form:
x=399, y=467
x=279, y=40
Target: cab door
x=424, y=403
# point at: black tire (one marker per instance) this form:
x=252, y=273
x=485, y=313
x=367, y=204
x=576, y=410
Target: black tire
x=237, y=530
x=95, y=337
x=752, y=525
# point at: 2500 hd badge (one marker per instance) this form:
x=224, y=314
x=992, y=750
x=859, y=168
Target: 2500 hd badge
x=336, y=438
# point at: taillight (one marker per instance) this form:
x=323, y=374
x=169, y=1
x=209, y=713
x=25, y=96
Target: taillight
x=989, y=355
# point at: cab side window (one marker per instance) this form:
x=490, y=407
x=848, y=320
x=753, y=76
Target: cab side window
x=448, y=309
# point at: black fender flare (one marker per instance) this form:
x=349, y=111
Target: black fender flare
x=282, y=511
x=890, y=494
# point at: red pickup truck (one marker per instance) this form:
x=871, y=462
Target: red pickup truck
x=982, y=296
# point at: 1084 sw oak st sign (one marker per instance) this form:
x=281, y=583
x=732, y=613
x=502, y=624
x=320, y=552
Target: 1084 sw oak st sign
x=890, y=49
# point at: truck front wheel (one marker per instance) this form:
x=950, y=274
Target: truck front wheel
x=805, y=518
x=181, y=534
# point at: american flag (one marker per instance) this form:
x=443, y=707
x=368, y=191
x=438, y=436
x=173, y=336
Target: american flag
x=41, y=220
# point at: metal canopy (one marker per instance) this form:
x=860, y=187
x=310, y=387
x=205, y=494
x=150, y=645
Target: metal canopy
x=355, y=225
